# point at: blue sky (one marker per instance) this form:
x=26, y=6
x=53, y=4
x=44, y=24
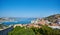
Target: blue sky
x=29, y=8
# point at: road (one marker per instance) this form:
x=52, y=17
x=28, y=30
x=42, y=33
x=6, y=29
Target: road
x=5, y=32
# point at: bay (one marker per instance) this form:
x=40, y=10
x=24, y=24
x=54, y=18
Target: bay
x=20, y=21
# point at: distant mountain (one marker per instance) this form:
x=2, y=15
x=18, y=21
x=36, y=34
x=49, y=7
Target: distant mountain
x=53, y=18
x=5, y=19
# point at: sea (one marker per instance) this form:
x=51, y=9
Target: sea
x=20, y=21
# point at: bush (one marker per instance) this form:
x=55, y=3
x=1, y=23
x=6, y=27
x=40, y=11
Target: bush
x=21, y=31
x=44, y=30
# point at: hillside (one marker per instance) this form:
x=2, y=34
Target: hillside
x=53, y=18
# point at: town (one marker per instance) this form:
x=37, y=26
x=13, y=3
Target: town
x=38, y=22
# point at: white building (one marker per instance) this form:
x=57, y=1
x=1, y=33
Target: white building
x=55, y=27
x=58, y=21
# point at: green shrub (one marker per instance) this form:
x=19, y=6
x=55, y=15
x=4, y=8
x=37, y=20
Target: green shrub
x=21, y=31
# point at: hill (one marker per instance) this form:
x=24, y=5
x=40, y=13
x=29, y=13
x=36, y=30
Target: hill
x=53, y=18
